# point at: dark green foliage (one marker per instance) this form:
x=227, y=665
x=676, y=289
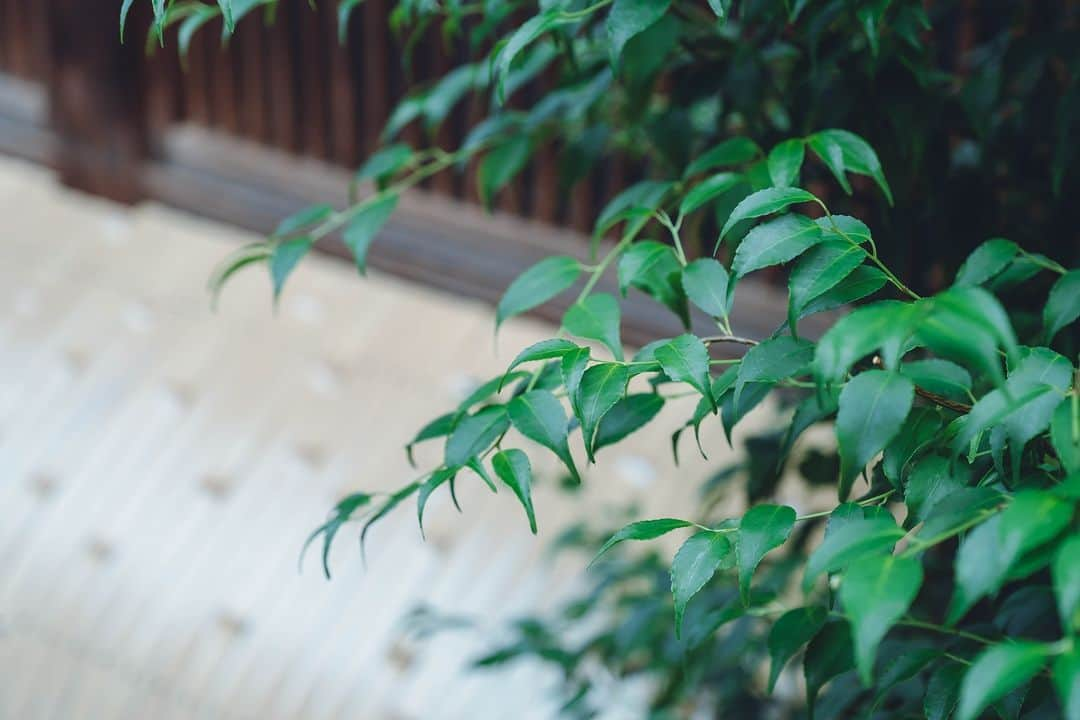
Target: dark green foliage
x=950, y=586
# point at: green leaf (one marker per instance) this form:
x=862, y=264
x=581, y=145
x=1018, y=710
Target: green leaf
x=1063, y=305
x=629, y=414
x=829, y=654
x=694, y=565
x=500, y=165
x=762, y=528
x=573, y=367
x=524, y=36
x=602, y=386
x=864, y=281
x=538, y=416
x=785, y=161
x=884, y=326
x=1067, y=682
x=439, y=427
x=636, y=202
x=812, y=409
x=286, y=256
x=821, y=269
x=475, y=434
x=732, y=411
x=543, y=350
x=1065, y=433
x=930, y=481
x=850, y=230
x=627, y=18
x=873, y=407
x=385, y=163
x=733, y=151
x=986, y=261
x=943, y=691
x=706, y=284
x=999, y=670
x=876, y=592
x=1032, y=518
x=233, y=263
x=302, y=219
x=923, y=426
x=790, y=632
x=365, y=225
x=842, y=151
x=513, y=468
x=125, y=8
x=642, y=530
x=774, y=242
x=392, y=502
x=980, y=568
x=427, y=488
x=766, y=202
x=537, y=285
x=342, y=512
x=344, y=12
x=654, y=269
x=773, y=360
x=707, y=190
x=685, y=359
x=1066, y=573
x=969, y=325
x=596, y=318
x=847, y=542
x=939, y=376
x=227, y=14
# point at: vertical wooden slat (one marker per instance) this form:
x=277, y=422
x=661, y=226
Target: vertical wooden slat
x=281, y=84
x=313, y=73
x=224, y=87
x=196, y=77
x=441, y=64
x=374, y=88
x=250, y=41
x=344, y=131
x=164, y=85
x=19, y=38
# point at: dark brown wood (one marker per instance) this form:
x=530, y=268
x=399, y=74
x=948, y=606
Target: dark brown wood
x=312, y=61
x=224, y=68
x=254, y=119
x=96, y=105
x=374, y=86
x=341, y=95
x=281, y=86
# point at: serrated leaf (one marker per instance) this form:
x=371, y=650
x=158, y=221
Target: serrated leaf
x=437, y=479
x=642, y=530
x=876, y=592
x=996, y=672
x=1067, y=681
x=873, y=407
x=864, y=281
x=342, y=512
x=439, y=427
x=733, y=151
x=774, y=242
x=846, y=228
x=486, y=390
x=525, y=35
x=501, y=165
x=572, y=366
x=685, y=359
x=302, y=219
x=773, y=360
x=939, y=376
x=707, y=190
x=922, y=426
x=597, y=318
x=706, y=284
x=986, y=261
x=627, y=18
x=654, y=269
x=931, y=480
x=513, y=468
x=1066, y=574
x=474, y=434
x=762, y=528
x=543, y=350
x=601, y=387
x=785, y=161
x=694, y=565
x=812, y=409
x=789, y=633
x=732, y=411
x=844, y=151
x=1063, y=305
x=284, y=259
x=969, y=325
x=629, y=414
x=537, y=285
x=884, y=326
x=365, y=225
x=538, y=416
x=819, y=270
x=1065, y=433
x=766, y=202
x=854, y=538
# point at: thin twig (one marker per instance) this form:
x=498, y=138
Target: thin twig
x=729, y=339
